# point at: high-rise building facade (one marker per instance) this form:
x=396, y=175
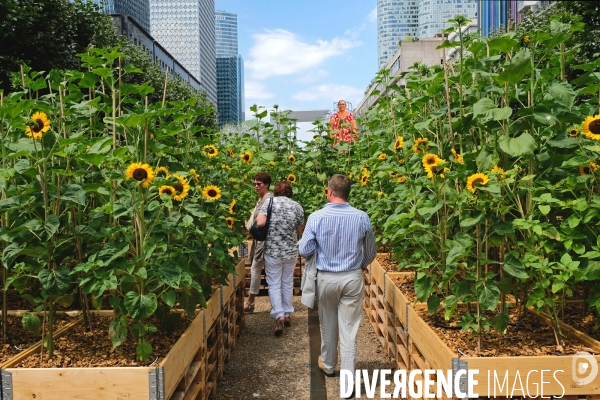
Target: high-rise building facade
x=230, y=69
x=397, y=20
x=494, y=14
x=186, y=29
x=434, y=14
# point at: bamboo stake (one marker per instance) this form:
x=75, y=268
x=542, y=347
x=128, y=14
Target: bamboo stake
x=146, y=131
x=165, y=89
x=62, y=113
x=22, y=77
x=448, y=102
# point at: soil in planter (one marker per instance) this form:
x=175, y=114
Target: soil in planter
x=21, y=339
x=386, y=263
x=406, y=284
x=586, y=323
x=16, y=302
x=78, y=348
x=525, y=336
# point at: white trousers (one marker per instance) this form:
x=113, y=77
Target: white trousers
x=280, y=277
x=340, y=296
x=255, y=271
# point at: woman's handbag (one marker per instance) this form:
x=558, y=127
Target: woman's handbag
x=260, y=233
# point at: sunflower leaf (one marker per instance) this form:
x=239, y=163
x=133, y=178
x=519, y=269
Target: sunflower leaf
x=73, y=193
x=31, y=322
x=117, y=333
x=519, y=66
x=514, y=267
x=562, y=93
x=519, y=146
x=143, y=350
x=140, y=306
x=488, y=296
x=55, y=282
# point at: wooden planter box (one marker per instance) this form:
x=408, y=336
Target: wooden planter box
x=189, y=371
x=412, y=344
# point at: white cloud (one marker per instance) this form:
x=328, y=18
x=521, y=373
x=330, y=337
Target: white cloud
x=330, y=92
x=372, y=17
x=281, y=52
x=312, y=76
x=256, y=90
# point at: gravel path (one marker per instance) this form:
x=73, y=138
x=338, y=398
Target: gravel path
x=263, y=366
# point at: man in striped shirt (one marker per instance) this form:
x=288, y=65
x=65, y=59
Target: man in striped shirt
x=343, y=240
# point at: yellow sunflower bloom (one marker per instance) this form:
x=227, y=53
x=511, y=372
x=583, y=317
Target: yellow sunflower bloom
x=164, y=170
x=291, y=178
x=291, y=158
x=394, y=175
x=231, y=153
x=479, y=178
x=225, y=166
x=182, y=188
x=165, y=189
x=325, y=191
x=526, y=39
x=210, y=150
x=142, y=173
x=420, y=145
x=211, y=193
x=499, y=172
x=591, y=127
x=380, y=195
x=593, y=166
x=401, y=161
x=431, y=160
x=365, y=172
x=40, y=125
x=195, y=175
x=246, y=157
x=573, y=131
x=232, y=207
x=587, y=170
x=229, y=222
x=350, y=175
x=457, y=157
x=382, y=156
x=402, y=179
x=364, y=180
x=399, y=143
x=272, y=164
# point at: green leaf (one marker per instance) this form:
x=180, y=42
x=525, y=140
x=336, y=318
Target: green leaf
x=32, y=323
x=188, y=302
x=143, y=351
x=450, y=303
x=469, y=221
x=502, y=43
x=94, y=159
x=22, y=165
x=486, y=160
x=433, y=303
x=51, y=226
x=513, y=266
x=562, y=93
x=544, y=209
x=74, y=193
x=520, y=65
x=170, y=274
x=573, y=221
x=488, y=296
x=117, y=333
x=55, y=282
x=423, y=287
x=267, y=155
x=519, y=146
x=500, y=322
x=169, y=298
x=10, y=253
x=140, y=306
x=427, y=212
x=460, y=288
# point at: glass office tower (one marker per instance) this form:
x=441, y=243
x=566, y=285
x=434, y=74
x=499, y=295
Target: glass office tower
x=433, y=14
x=397, y=20
x=493, y=14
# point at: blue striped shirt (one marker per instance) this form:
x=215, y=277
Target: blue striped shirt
x=341, y=235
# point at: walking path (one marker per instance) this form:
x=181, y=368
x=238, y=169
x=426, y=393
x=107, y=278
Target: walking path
x=263, y=366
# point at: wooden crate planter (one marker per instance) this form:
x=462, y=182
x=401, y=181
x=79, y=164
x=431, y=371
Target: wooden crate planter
x=189, y=371
x=412, y=344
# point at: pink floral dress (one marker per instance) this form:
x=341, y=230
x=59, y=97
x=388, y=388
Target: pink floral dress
x=345, y=133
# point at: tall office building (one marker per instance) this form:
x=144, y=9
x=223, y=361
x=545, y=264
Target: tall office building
x=433, y=14
x=494, y=14
x=399, y=20
x=230, y=69
x=186, y=29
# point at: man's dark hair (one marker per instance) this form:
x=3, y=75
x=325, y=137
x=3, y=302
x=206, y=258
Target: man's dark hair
x=283, y=188
x=340, y=186
x=264, y=178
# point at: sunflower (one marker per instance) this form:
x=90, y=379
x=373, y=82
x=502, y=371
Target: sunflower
x=271, y=164
x=170, y=190
x=380, y=195
x=457, y=157
x=394, y=175
x=291, y=158
x=350, y=175
x=225, y=166
x=40, y=125
x=382, y=156
x=431, y=160
x=402, y=179
x=499, y=172
x=573, y=131
x=593, y=166
x=160, y=169
x=325, y=191
x=526, y=39
x=229, y=222
x=364, y=180
x=401, y=161
x=232, y=207
x=231, y=153
x=182, y=188
x=291, y=178
x=586, y=170
x=211, y=192
x=479, y=178
x=232, y=179
x=142, y=173
x=399, y=143
x=591, y=127
x=195, y=175
x=417, y=146
x=433, y=171
x=210, y=150
x=246, y=157
x=365, y=172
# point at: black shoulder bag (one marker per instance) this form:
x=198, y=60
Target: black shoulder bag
x=260, y=233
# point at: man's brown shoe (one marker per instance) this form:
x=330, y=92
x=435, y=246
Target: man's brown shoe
x=322, y=368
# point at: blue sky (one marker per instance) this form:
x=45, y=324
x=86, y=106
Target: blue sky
x=305, y=55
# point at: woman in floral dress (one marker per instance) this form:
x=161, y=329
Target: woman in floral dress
x=343, y=125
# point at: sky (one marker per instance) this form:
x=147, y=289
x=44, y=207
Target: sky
x=305, y=54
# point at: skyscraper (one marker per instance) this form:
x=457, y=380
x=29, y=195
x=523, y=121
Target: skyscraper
x=186, y=29
x=493, y=14
x=230, y=69
x=397, y=20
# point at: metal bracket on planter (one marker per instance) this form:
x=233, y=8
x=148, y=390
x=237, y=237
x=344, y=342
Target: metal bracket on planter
x=458, y=365
x=383, y=283
x=156, y=383
x=204, y=323
x=406, y=325
x=234, y=286
x=6, y=392
x=221, y=297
